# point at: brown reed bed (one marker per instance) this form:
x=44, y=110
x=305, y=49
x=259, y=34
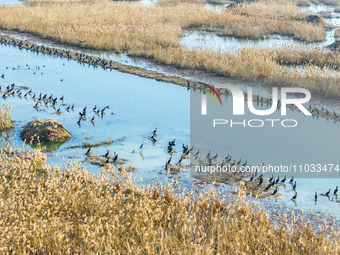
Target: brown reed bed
x=48, y=209
x=5, y=118
x=125, y=26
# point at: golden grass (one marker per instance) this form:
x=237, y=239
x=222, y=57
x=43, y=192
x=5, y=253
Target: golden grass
x=272, y=9
x=255, y=28
x=45, y=209
x=5, y=118
x=124, y=26
x=274, y=17
x=337, y=33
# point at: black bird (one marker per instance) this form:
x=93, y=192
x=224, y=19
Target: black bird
x=88, y=151
x=208, y=155
x=294, y=197
x=92, y=119
x=58, y=111
x=68, y=108
x=283, y=180
x=277, y=180
x=107, y=161
x=169, y=161
x=244, y=164
x=316, y=196
x=3, y=76
x=115, y=158
x=336, y=190
x=275, y=191
x=271, y=178
x=198, y=152
x=233, y=164
x=78, y=122
x=72, y=107
x=239, y=162
x=327, y=193
x=95, y=107
x=153, y=139
x=62, y=98
x=294, y=186
x=180, y=160
x=261, y=181
x=252, y=177
x=291, y=180
x=268, y=187
x=106, y=154
x=154, y=132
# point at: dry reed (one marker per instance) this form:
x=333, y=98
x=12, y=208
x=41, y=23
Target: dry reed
x=5, y=118
x=45, y=209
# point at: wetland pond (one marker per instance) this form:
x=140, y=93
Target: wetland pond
x=137, y=106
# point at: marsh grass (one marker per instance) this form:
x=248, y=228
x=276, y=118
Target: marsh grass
x=5, y=118
x=48, y=209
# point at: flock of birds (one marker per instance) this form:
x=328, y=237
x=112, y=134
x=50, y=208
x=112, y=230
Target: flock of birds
x=106, y=156
x=45, y=100
x=49, y=100
x=257, y=182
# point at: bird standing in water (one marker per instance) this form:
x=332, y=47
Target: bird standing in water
x=141, y=146
x=316, y=196
x=291, y=180
x=275, y=191
x=294, y=186
x=294, y=197
x=106, y=154
x=336, y=190
x=88, y=151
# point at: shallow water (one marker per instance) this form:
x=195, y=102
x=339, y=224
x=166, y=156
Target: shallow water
x=10, y=2
x=193, y=39
x=139, y=105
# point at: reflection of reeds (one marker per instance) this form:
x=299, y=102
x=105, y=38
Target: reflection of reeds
x=5, y=118
x=45, y=210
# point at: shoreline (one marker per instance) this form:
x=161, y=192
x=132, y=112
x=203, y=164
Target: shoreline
x=197, y=75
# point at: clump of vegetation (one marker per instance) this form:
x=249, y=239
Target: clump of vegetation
x=45, y=130
x=337, y=33
x=5, y=118
x=46, y=209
